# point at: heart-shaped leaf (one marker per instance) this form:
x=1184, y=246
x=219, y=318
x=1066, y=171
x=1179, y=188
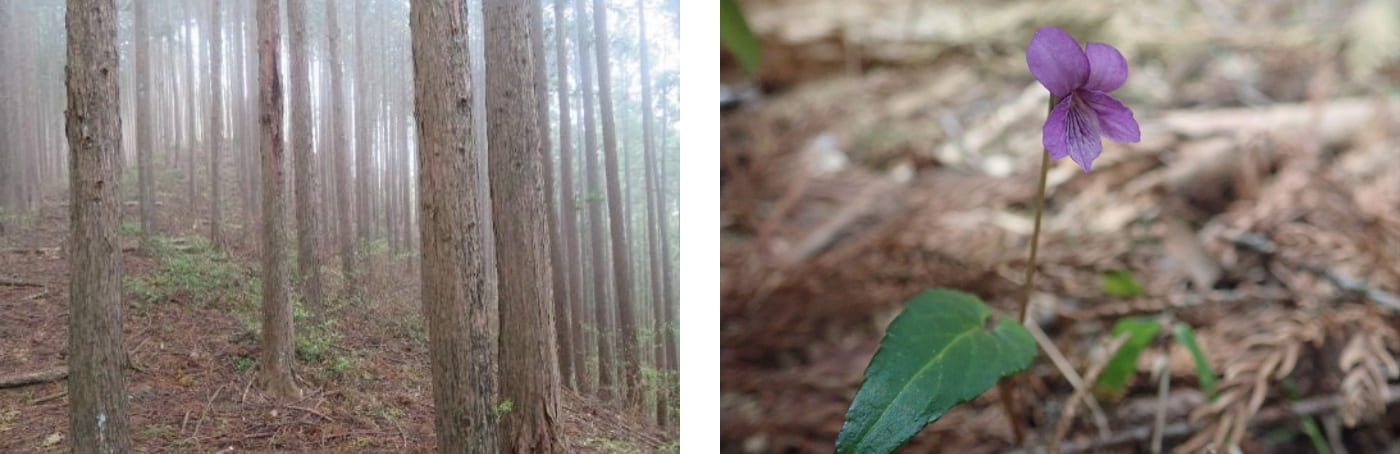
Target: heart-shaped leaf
x=936, y=354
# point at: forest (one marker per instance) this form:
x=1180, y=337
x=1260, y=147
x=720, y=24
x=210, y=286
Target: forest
x=1059, y=226
x=339, y=226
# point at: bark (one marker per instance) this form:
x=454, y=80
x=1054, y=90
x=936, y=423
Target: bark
x=309, y=266
x=601, y=319
x=556, y=248
x=216, y=125
x=191, y=94
x=571, y=345
x=653, y=190
x=277, y=355
x=337, y=146
x=458, y=302
x=363, y=127
x=518, y=163
x=97, y=406
x=622, y=267
x=143, y=123
x=670, y=330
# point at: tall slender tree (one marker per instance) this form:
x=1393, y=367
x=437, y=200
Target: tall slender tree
x=308, y=265
x=457, y=301
x=97, y=407
x=622, y=267
x=277, y=354
x=597, y=243
x=529, y=377
x=571, y=347
x=145, y=170
x=216, y=124
x=556, y=247
x=653, y=220
x=337, y=146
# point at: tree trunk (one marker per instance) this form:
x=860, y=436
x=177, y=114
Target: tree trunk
x=97, y=406
x=191, y=94
x=337, y=146
x=145, y=171
x=216, y=125
x=457, y=293
x=363, y=128
x=601, y=318
x=277, y=355
x=622, y=267
x=518, y=162
x=571, y=344
x=653, y=191
x=309, y=266
x=556, y=248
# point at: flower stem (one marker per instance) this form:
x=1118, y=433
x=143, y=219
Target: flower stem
x=1039, y=211
x=1005, y=386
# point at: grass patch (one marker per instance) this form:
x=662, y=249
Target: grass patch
x=190, y=270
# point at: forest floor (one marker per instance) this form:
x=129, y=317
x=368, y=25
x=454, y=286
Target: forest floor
x=890, y=146
x=192, y=337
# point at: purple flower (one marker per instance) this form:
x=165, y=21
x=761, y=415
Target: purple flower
x=1081, y=78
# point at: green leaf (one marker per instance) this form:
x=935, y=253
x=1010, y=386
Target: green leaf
x=1204, y=374
x=938, y=353
x=1124, y=364
x=1121, y=283
x=734, y=32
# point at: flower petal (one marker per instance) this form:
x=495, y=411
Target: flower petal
x=1057, y=61
x=1052, y=135
x=1107, y=68
x=1115, y=119
x=1082, y=134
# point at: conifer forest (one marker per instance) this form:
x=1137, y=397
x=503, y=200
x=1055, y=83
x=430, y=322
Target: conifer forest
x=339, y=226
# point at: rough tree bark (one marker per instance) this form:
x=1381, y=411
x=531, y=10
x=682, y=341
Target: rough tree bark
x=457, y=293
x=277, y=354
x=216, y=125
x=622, y=266
x=145, y=170
x=556, y=247
x=308, y=265
x=571, y=347
x=344, y=228
x=653, y=190
x=601, y=319
x=363, y=128
x=518, y=162
x=97, y=407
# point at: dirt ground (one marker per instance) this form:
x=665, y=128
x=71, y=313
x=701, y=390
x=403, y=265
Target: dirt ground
x=366, y=387
x=890, y=146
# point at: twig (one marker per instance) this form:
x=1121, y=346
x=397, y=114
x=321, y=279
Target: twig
x=1311, y=406
x=1164, y=386
x=1261, y=244
x=244, y=398
x=1062, y=427
x=1071, y=376
x=49, y=397
x=314, y=412
x=208, y=404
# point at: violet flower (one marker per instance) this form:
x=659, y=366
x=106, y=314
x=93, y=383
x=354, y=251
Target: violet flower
x=1081, y=79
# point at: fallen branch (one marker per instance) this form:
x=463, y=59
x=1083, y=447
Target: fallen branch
x=314, y=412
x=49, y=397
x=43, y=376
x=16, y=283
